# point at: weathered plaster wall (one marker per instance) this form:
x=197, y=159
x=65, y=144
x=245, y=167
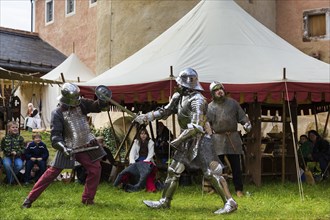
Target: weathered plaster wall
x=290, y=26
x=263, y=11
x=133, y=24
x=76, y=33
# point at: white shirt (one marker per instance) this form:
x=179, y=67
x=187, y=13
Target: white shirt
x=134, y=153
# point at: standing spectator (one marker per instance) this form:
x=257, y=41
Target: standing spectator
x=141, y=171
x=223, y=114
x=164, y=136
x=321, y=149
x=72, y=137
x=32, y=120
x=12, y=146
x=35, y=153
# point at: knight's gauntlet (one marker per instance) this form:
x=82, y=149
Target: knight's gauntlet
x=65, y=150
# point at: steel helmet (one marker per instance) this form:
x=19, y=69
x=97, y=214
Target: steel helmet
x=70, y=95
x=214, y=86
x=189, y=78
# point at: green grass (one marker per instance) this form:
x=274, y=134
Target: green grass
x=273, y=200
x=270, y=201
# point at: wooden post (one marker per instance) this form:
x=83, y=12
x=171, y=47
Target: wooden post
x=283, y=139
x=253, y=154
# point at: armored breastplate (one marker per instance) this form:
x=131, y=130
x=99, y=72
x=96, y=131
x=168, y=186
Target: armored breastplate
x=184, y=112
x=77, y=131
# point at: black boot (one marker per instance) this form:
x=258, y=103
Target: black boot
x=27, y=203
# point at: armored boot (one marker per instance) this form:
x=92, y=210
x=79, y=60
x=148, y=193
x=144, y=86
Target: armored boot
x=26, y=204
x=163, y=203
x=230, y=206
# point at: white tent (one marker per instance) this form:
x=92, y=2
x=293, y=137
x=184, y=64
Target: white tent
x=221, y=42
x=72, y=69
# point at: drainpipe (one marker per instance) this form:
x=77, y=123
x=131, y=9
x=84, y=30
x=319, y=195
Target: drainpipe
x=31, y=15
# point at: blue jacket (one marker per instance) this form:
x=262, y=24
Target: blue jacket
x=34, y=150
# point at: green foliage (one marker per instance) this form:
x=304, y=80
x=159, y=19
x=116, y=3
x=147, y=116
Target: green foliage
x=109, y=139
x=272, y=200
x=108, y=136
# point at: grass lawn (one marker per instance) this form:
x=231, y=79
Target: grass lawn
x=273, y=200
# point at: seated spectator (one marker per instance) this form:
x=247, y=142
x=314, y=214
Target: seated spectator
x=36, y=153
x=140, y=173
x=32, y=120
x=305, y=150
x=321, y=149
x=12, y=146
x=164, y=135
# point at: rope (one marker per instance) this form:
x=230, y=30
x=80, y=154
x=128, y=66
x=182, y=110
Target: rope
x=301, y=190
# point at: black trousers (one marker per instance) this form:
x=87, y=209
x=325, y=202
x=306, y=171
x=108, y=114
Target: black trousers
x=235, y=163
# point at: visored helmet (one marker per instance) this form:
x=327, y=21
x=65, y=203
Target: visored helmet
x=189, y=78
x=70, y=94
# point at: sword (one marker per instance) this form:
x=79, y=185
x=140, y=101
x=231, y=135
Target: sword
x=13, y=173
x=83, y=149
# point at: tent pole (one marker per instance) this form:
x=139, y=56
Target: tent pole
x=315, y=119
x=300, y=187
x=283, y=140
x=326, y=124
x=125, y=129
x=113, y=130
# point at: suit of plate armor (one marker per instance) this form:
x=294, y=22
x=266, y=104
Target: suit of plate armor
x=192, y=146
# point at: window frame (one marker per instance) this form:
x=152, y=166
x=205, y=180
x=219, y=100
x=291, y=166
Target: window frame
x=310, y=13
x=92, y=4
x=47, y=2
x=66, y=8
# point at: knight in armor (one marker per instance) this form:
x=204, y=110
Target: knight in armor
x=193, y=146
x=71, y=136
x=223, y=114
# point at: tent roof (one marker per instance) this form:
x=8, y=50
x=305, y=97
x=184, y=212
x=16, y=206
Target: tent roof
x=221, y=42
x=71, y=68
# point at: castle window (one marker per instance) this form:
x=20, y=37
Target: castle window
x=70, y=7
x=49, y=8
x=317, y=24
x=92, y=3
